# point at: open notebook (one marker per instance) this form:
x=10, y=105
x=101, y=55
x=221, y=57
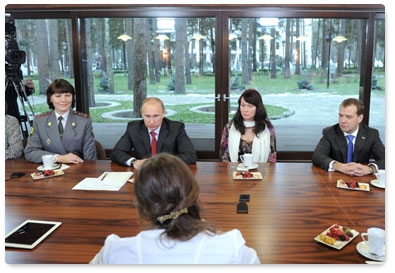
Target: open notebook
x=108, y=181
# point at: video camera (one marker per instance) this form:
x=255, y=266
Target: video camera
x=14, y=57
x=15, y=90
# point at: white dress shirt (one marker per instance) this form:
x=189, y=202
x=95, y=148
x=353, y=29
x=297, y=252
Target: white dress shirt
x=148, y=247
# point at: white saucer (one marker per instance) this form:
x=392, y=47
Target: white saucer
x=377, y=184
x=41, y=168
x=242, y=167
x=363, y=249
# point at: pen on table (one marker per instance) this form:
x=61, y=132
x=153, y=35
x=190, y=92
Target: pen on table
x=104, y=176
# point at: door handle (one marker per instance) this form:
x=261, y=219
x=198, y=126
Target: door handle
x=218, y=97
x=225, y=98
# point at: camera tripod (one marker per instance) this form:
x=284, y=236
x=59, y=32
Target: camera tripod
x=16, y=91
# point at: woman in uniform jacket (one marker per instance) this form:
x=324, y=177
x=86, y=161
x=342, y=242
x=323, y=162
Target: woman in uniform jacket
x=62, y=132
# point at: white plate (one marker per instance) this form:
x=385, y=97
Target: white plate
x=41, y=168
x=363, y=249
x=40, y=174
x=377, y=184
x=362, y=186
x=238, y=175
x=338, y=244
x=242, y=167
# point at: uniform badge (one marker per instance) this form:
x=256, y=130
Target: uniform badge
x=48, y=141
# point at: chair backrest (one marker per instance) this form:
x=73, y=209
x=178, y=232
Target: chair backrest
x=100, y=152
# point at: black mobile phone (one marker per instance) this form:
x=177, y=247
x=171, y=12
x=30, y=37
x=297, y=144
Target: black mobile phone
x=242, y=207
x=16, y=175
x=244, y=197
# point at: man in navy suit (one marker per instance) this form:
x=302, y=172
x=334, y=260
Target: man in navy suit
x=331, y=151
x=171, y=137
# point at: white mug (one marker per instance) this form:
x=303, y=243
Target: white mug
x=247, y=159
x=380, y=175
x=47, y=161
x=375, y=241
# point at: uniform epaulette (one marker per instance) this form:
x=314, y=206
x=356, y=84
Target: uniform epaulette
x=43, y=114
x=80, y=114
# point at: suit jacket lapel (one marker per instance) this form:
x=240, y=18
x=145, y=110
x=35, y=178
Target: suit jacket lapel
x=69, y=130
x=359, y=141
x=342, y=143
x=164, y=130
x=145, y=138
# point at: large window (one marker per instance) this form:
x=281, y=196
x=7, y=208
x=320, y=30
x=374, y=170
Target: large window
x=198, y=61
x=134, y=58
x=304, y=68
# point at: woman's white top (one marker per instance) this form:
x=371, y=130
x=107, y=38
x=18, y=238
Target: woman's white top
x=149, y=248
x=260, y=145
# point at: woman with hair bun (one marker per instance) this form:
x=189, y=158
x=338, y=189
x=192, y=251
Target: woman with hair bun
x=167, y=200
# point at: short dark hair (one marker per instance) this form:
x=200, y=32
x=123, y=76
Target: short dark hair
x=351, y=101
x=60, y=86
x=165, y=184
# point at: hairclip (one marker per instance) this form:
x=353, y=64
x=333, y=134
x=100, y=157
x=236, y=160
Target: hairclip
x=173, y=215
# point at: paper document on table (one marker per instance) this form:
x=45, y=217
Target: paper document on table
x=108, y=181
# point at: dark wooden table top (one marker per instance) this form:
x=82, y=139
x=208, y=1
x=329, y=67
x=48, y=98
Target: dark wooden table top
x=292, y=204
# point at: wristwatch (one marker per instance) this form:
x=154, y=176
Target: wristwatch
x=133, y=161
x=371, y=169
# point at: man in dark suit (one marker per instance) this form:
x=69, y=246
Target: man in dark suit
x=171, y=137
x=331, y=151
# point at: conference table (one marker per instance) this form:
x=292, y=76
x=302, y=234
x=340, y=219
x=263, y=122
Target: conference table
x=292, y=204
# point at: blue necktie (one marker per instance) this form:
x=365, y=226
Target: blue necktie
x=350, y=149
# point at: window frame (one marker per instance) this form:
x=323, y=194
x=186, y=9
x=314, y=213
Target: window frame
x=221, y=13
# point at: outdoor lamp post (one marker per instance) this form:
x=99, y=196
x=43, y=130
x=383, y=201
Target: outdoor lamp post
x=265, y=37
x=262, y=55
x=283, y=56
x=165, y=57
x=64, y=45
x=328, y=38
x=162, y=38
x=199, y=38
x=124, y=37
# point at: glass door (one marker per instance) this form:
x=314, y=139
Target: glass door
x=128, y=59
x=303, y=68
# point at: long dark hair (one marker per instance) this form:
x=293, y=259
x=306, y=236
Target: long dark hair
x=253, y=97
x=60, y=86
x=165, y=184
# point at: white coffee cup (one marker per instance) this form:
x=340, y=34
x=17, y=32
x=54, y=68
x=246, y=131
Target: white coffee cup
x=48, y=161
x=247, y=160
x=381, y=177
x=375, y=241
